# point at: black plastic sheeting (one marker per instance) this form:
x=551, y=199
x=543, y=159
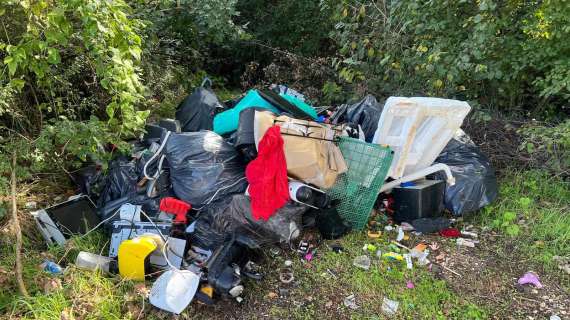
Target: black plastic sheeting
x=203, y=167
x=121, y=181
x=196, y=112
x=475, y=180
x=231, y=217
x=365, y=113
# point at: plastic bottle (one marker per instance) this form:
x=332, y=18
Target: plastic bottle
x=90, y=261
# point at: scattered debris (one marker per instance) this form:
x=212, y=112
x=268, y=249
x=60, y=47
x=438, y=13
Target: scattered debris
x=286, y=275
x=465, y=242
x=563, y=263
x=337, y=248
x=390, y=307
x=362, y=262
x=393, y=256
x=51, y=284
x=51, y=267
x=450, y=233
x=350, y=302
x=408, y=259
x=31, y=205
x=530, y=278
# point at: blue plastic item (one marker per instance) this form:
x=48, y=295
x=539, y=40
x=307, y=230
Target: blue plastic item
x=51, y=267
x=407, y=184
x=227, y=121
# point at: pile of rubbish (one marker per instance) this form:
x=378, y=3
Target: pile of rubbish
x=202, y=194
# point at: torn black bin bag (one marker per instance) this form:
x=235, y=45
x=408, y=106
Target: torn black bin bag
x=330, y=224
x=90, y=181
x=196, y=112
x=231, y=217
x=475, y=180
x=365, y=113
x=121, y=180
x=203, y=167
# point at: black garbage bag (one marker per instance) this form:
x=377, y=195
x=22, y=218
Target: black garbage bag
x=121, y=181
x=231, y=217
x=365, y=113
x=475, y=180
x=203, y=167
x=196, y=112
x=90, y=181
x=330, y=224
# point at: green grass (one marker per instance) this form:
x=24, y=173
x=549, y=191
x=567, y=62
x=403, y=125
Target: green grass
x=541, y=204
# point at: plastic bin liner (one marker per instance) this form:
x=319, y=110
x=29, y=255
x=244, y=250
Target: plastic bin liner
x=365, y=113
x=232, y=216
x=475, y=180
x=203, y=167
x=121, y=180
x=196, y=112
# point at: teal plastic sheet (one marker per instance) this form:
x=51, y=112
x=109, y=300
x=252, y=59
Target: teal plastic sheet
x=227, y=121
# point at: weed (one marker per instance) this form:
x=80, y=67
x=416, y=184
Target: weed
x=533, y=211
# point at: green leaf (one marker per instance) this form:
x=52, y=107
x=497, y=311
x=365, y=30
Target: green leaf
x=12, y=65
x=18, y=84
x=478, y=18
x=509, y=216
x=135, y=52
x=53, y=56
x=525, y=202
x=530, y=147
x=513, y=230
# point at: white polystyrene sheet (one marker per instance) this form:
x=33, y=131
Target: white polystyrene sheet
x=417, y=129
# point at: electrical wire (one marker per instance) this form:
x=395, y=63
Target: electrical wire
x=165, y=242
x=216, y=193
x=100, y=223
x=152, y=159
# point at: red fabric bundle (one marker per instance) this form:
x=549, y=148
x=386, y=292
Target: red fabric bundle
x=450, y=233
x=267, y=176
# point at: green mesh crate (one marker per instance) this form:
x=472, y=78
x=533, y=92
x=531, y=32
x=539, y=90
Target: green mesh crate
x=358, y=188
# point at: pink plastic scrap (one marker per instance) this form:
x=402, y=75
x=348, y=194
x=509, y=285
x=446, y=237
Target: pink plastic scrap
x=410, y=285
x=530, y=278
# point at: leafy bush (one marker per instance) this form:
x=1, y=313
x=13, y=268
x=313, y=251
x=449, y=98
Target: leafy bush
x=298, y=26
x=549, y=145
x=80, y=75
x=507, y=54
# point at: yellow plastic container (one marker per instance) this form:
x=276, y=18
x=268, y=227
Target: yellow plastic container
x=133, y=255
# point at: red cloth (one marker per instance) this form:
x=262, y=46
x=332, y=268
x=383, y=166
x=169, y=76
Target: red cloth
x=267, y=176
x=450, y=233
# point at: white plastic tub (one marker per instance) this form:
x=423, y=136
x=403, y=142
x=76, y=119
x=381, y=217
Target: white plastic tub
x=417, y=129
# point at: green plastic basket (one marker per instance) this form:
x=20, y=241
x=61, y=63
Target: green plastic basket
x=357, y=189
